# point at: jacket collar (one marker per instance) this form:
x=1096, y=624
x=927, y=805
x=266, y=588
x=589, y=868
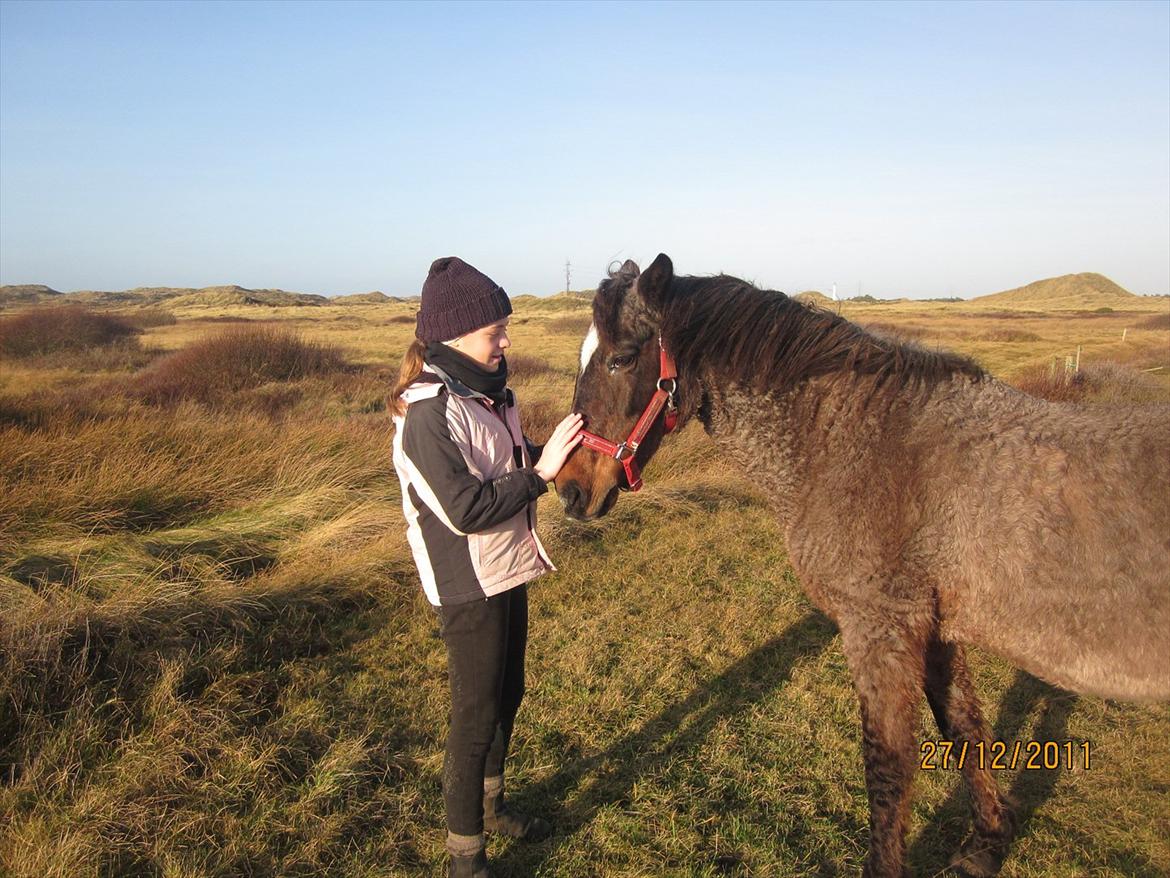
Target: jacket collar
x=432, y=378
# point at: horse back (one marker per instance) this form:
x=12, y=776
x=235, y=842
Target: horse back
x=1058, y=521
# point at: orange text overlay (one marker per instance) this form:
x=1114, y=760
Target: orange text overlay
x=1026, y=755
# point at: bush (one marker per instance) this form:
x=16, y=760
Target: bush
x=1006, y=335
x=236, y=359
x=57, y=328
x=1155, y=321
x=522, y=367
x=538, y=418
x=1106, y=382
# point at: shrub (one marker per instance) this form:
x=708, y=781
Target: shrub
x=57, y=328
x=538, y=418
x=233, y=360
x=523, y=367
x=1056, y=384
x=1006, y=335
x=1155, y=321
x=1106, y=382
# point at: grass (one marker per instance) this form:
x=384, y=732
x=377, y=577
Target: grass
x=216, y=660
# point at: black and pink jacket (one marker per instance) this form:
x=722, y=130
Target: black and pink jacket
x=468, y=491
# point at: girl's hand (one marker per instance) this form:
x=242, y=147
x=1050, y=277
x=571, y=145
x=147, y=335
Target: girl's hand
x=565, y=437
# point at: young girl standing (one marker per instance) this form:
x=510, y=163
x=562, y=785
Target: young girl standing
x=470, y=480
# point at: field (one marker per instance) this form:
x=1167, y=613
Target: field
x=215, y=658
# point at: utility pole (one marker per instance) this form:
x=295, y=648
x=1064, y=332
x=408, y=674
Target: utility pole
x=567, y=267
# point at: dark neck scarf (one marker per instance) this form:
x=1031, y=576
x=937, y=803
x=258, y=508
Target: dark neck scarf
x=468, y=372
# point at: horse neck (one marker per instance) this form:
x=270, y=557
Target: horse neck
x=786, y=440
x=769, y=435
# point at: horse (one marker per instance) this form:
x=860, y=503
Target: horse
x=925, y=505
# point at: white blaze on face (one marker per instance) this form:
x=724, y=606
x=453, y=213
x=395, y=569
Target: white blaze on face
x=588, y=347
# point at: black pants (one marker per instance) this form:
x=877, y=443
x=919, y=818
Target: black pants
x=485, y=664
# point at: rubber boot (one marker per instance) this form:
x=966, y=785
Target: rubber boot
x=502, y=820
x=468, y=859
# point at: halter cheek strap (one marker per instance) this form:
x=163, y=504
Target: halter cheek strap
x=664, y=397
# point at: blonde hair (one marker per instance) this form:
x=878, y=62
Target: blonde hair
x=412, y=364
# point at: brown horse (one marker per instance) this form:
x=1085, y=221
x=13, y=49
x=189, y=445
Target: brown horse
x=925, y=505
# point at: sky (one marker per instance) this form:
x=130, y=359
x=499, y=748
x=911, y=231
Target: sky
x=910, y=149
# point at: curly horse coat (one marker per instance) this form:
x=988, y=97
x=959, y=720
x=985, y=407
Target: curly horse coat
x=925, y=505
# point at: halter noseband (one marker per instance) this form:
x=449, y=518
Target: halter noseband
x=625, y=451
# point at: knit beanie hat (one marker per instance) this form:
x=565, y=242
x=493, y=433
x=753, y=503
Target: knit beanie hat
x=458, y=299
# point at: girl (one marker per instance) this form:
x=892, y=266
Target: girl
x=470, y=480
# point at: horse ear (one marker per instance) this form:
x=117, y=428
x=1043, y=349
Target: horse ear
x=654, y=283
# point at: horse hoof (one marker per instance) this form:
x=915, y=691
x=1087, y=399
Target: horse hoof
x=982, y=854
x=980, y=857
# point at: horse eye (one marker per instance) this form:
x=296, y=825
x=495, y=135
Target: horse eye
x=616, y=363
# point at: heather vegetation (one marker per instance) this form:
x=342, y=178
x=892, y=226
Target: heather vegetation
x=215, y=659
x=236, y=359
x=53, y=329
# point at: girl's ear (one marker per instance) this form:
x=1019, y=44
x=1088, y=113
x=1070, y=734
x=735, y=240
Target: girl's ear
x=654, y=284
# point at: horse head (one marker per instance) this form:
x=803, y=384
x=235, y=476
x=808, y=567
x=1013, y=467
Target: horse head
x=619, y=375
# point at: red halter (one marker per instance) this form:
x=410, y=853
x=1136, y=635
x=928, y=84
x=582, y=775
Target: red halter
x=625, y=451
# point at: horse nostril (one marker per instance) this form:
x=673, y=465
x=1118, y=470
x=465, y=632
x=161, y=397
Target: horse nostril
x=570, y=495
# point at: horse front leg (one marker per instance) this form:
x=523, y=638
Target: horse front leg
x=955, y=706
x=887, y=669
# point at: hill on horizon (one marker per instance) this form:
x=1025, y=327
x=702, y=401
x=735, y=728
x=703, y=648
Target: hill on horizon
x=17, y=294
x=1084, y=291
x=561, y=301
x=181, y=297
x=813, y=297
x=376, y=297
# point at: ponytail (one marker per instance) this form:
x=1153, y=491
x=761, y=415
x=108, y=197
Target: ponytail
x=412, y=364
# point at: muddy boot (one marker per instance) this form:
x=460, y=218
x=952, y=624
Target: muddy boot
x=499, y=818
x=468, y=859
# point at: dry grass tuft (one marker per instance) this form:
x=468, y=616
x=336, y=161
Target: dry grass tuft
x=895, y=332
x=570, y=324
x=145, y=318
x=233, y=360
x=54, y=329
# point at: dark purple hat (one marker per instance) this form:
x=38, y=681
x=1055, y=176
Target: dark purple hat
x=458, y=299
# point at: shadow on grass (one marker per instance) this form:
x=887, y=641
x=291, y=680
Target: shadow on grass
x=610, y=777
x=951, y=821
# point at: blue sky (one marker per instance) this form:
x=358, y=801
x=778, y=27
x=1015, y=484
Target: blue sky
x=892, y=149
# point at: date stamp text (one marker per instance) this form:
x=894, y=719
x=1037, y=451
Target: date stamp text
x=999, y=755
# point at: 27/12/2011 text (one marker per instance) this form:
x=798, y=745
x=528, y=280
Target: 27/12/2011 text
x=1026, y=755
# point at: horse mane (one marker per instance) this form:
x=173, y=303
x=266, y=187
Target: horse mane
x=725, y=327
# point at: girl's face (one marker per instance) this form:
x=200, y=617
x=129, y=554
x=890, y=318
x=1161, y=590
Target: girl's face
x=486, y=345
